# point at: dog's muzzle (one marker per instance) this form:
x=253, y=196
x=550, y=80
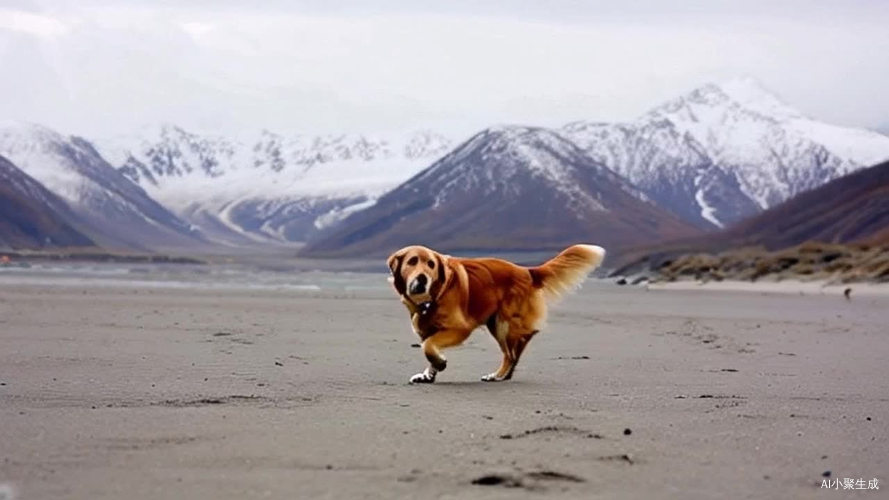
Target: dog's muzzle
x=418, y=285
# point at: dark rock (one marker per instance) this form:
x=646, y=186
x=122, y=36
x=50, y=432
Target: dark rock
x=497, y=480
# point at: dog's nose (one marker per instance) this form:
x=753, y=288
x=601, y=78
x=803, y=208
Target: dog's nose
x=418, y=285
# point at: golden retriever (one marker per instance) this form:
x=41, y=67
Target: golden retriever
x=449, y=297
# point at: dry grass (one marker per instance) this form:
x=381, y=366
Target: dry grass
x=808, y=261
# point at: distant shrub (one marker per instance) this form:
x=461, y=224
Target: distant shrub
x=809, y=261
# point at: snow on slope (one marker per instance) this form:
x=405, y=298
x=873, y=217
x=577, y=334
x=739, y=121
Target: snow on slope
x=722, y=152
x=862, y=146
x=32, y=216
x=262, y=183
x=119, y=213
x=507, y=187
x=542, y=153
x=712, y=156
x=26, y=145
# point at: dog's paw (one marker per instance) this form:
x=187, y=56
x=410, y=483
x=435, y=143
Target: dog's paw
x=426, y=377
x=422, y=378
x=492, y=377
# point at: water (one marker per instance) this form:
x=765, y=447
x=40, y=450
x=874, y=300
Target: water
x=211, y=276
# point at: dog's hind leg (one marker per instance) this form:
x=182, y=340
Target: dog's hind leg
x=432, y=347
x=513, y=338
x=501, y=373
x=523, y=325
x=500, y=329
x=517, y=345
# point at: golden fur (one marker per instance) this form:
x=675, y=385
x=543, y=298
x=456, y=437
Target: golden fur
x=449, y=297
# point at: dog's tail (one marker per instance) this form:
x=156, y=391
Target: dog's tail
x=566, y=271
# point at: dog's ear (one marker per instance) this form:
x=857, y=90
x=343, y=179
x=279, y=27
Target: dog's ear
x=445, y=276
x=394, y=262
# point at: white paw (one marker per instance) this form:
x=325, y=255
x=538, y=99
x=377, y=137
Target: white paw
x=491, y=377
x=422, y=378
x=427, y=377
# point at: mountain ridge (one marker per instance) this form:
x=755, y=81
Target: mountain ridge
x=508, y=188
x=722, y=152
x=853, y=209
x=711, y=156
x=269, y=186
x=117, y=212
x=32, y=217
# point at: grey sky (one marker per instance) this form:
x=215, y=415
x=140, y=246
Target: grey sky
x=100, y=68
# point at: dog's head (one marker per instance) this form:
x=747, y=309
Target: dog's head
x=418, y=273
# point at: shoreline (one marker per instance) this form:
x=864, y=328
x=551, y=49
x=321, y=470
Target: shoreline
x=819, y=287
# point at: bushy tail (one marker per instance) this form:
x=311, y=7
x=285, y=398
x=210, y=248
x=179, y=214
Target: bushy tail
x=566, y=271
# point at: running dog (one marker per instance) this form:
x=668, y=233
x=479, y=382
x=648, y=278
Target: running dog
x=449, y=297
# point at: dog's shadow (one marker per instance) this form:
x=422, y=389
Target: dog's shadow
x=462, y=384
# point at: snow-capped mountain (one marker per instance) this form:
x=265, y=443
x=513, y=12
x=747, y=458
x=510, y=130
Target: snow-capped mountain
x=33, y=217
x=722, y=152
x=117, y=211
x=506, y=188
x=269, y=186
x=712, y=156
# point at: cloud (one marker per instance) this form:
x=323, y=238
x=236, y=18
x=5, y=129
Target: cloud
x=30, y=23
x=197, y=30
x=458, y=66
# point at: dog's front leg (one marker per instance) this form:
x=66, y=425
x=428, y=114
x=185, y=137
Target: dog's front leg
x=432, y=347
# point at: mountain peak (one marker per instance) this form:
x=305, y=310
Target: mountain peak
x=510, y=129
x=744, y=84
x=515, y=136
x=527, y=148
x=740, y=94
x=507, y=134
x=725, y=150
x=751, y=94
x=28, y=131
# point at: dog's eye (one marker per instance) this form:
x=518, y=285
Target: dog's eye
x=431, y=264
x=413, y=261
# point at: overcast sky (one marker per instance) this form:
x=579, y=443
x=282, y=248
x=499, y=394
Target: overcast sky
x=104, y=67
